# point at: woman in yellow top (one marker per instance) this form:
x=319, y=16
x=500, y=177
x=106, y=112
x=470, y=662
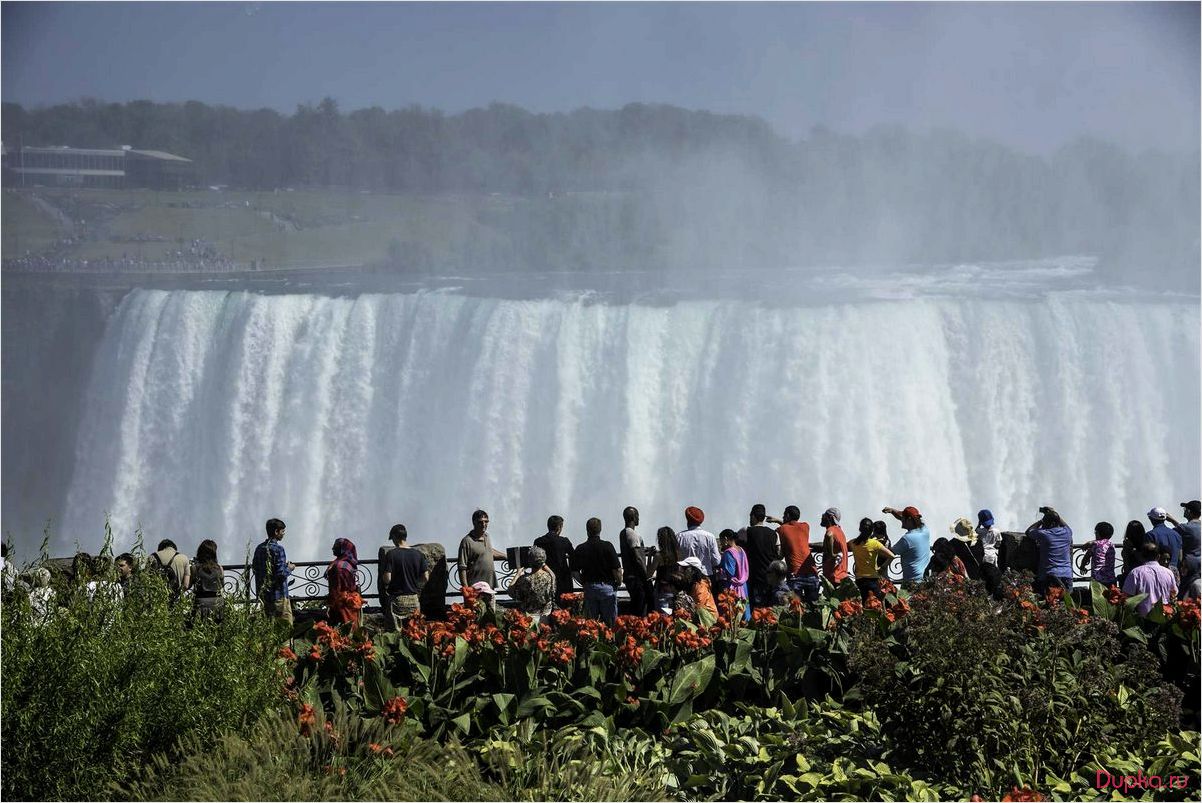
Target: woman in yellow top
x=867, y=550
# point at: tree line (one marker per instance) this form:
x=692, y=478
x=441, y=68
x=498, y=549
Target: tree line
x=690, y=187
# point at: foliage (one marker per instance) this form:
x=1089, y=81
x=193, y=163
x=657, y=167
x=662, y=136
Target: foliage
x=578, y=763
x=938, y=694
x=343, y=757
x=92, y=691
x=987, y=692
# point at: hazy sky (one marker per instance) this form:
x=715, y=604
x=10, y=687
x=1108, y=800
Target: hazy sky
x=1033, y=75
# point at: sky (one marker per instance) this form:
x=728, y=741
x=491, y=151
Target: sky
x=1030, y=75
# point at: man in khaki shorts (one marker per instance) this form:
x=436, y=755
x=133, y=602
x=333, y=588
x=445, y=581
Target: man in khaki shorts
x=272, y=568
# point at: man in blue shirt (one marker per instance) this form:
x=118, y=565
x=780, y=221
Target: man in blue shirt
x=1165, y=537
x=271, y=568
x=1055, y=541
x=914, y=548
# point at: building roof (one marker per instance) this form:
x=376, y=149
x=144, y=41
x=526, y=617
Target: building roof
x=170, y=157
x=162, y=155
x=80, y=151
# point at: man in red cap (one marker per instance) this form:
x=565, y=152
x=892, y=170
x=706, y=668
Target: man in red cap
x=693, y=541
x=914, y=548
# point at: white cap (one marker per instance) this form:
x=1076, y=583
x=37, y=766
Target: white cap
x=483, y=588
x=1157, y=514
x=694, y=561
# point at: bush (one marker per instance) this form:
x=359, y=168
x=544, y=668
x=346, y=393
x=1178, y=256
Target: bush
x=984, y=693
x=96, y=689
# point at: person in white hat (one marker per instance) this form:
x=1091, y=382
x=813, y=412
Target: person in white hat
x=692, y=583
x=1165, y=537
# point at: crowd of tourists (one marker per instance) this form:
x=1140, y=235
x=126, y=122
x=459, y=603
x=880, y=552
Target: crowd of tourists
x=768, y=562
x=771, y=560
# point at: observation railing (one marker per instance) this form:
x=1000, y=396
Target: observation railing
x=308, y=583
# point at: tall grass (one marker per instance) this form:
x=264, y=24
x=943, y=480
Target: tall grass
x=91, y=693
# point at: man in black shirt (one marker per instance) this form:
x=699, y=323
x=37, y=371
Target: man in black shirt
x=403, y=572
x=601, y=574
x=762, y=549
x=559, y=554
x=634, y=564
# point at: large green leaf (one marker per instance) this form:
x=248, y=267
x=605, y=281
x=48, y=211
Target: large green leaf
x=691, y=680
x=1098, y=602
x=503, y=702
x=377, y=689
x=532, y=705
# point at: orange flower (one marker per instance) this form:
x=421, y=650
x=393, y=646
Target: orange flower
x=394, y=710
x=1114, y=596
x=306, y=720
x=763, y=617
x=286, y=653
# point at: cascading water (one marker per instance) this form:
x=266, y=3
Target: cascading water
x=209, y=412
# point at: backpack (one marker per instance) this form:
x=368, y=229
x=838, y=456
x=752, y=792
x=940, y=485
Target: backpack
x=169, y=576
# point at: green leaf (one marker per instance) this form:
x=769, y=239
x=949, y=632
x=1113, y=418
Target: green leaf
x=691, y=680
x=377, y=689
x=463, y=722
x=502, y=702
x=532, y=705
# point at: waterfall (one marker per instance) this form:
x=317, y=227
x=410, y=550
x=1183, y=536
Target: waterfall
x=209, y=412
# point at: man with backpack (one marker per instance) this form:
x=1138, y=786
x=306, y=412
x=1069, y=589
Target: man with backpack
x=174, y=566
x=272, y=569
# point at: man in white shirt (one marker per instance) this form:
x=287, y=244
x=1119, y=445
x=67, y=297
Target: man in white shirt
x=693, y=541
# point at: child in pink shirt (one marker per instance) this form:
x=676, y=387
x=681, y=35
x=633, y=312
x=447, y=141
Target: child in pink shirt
x=1099, y=554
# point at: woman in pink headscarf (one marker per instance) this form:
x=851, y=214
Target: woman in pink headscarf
x=735, y=569
x=345, y=602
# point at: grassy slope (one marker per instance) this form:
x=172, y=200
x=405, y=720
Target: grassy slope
x=280, y=229
x=26, y=227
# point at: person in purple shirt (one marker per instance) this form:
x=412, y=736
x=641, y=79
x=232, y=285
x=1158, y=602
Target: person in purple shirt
x=1151, y=578
x=1055, y=541
x=1099, y=554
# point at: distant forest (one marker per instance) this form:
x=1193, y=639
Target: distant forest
x=692, y=187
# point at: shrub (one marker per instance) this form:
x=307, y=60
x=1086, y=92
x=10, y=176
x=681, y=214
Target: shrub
x=96, y=689
x=982, y=693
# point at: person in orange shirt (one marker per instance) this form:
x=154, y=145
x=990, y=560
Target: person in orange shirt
x=834, y=547
x=794, y=536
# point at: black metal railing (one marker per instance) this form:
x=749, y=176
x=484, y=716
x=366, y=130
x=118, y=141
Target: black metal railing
x=309, y=577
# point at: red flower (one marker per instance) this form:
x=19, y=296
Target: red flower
x=1024, y=794
x=1188, y=614
x=1115, y=596
x=848, y=608
x=763, y=617
x=562, y=653
x=394, y=710
x=286, y=653
x=415, y=628
x=306, y=720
